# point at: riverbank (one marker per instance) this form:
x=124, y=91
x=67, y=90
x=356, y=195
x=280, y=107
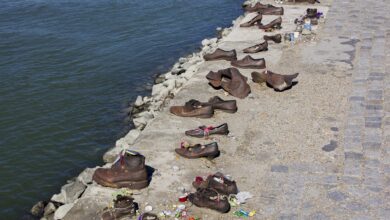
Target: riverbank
x=289, y=145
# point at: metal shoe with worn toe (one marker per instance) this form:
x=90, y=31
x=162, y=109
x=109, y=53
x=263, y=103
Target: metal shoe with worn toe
x=209, y=198
x=277, y=38
x=271, y=11
x=256, y=7
x=193, y=108
x=219, y=182
x=128, y=171
x=257, y=19
x=220, y=54
x=257, y=48
x=197, y=151
x=123, y=207
x=277, y=81
x=249, y=63
x=205, y=131
x=277, y=24
x=231, y=80
x=229, y=106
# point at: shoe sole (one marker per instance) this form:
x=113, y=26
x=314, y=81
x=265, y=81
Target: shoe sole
x=125, y=184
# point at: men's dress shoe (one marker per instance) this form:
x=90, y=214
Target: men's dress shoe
x=277, y=81
x=205, y=131
x=209, y=198
x=249, y=63
x=273, y=24
x=128, y=171
x=148, y=216
x=271, y=11
x=258, y=6
x=219, y=182
x=229, y=106
x=220, y=54
x=231, y=80
x=256, y=19
x=197, y=151
x=257, y=48
x=277, y=38
x=193, y=108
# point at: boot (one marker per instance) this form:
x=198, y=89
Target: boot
x=271, y=11
x=249, y=63
x=197, y=151
x=257, y=48
x=205, y=131
x=258, y=6
x=123, y=207
x=209, y=198
x=277, y=81
x=256, y=19
x=128, y=171
x=193, y=108
x=231, y=81
x=218, y=182
x=277, y=38
x=277, y=24
x=220, y=54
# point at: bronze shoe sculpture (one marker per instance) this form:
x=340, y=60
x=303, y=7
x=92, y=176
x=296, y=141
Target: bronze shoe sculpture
x=249, y=63
x=124, y=206
x=148, y=216
x=256, y=7
x=277, y=81
x=253, y=21
x=271, y=11
x=257, y=48
x=231, y=80
x=218, y=182
x=277, y=24
x=197, y=151
x=277, y=38
x=229, y=106
x=220, y=54
x=193, y=108
x=128, y=171
x=205, y=131
x=209, y=198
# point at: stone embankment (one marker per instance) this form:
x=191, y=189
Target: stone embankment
x=316, y=151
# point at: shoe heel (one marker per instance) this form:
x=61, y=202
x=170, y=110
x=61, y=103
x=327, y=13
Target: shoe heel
x=278, y=26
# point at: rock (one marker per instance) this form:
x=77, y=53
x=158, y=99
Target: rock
x=159, y=79
x=49, y=209
x=177, y=71
x=146, y=115
x=190, y=72
x=170, y=84
x=183, y=60
x=62, y=211
x=162, y=94
x=205, y=42
x=69, y=192
x=147, y=99
x=95, y=190
x=86, y=176
x=157, y=89
x=156, y=105
x=88, y=208
x=140, y=123
x=138, y=102
x=38, y=209
x=180, y=82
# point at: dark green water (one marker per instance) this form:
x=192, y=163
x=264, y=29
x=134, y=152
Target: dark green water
x=68, y=69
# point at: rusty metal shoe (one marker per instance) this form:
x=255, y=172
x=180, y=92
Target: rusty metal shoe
x=148, y=216
x=205, y=131
x=249, y=63
x=124, y=206
x=231, y=80
x=220, y=54
x=128, y=171
x=197, y=151
x=276, y=24
x=209, y=198
x=257, y=48
x=257, y=19
x=277, y=38
x=258, y=6
x=229, y=106
x=271, y=11
x=193, y=108
x=219, y=182
x=277, y=81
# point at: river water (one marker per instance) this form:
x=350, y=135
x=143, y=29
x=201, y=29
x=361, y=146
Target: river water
x=69, y=68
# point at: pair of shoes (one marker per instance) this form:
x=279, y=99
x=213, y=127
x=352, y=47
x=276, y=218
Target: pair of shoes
x=125, y=207
x=265, y=9
x=128, y=171
x=209, y=151
x=212, y=193
x=277, y=81
x=277, y=23
x=195, y=108
x=231, y=80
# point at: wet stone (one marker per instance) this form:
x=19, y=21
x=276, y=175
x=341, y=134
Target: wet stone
x=330, y=147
